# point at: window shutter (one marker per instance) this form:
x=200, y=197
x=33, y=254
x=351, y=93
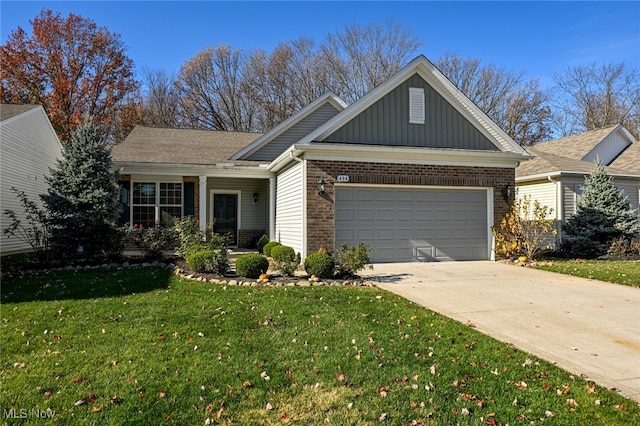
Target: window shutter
x=416, y=105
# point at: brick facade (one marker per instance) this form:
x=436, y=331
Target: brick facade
x=321, y=212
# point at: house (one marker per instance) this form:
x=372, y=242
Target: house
x=556, y=175
x=413, y=168
x=28, y=148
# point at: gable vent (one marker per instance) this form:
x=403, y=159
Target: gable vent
x=416, y=105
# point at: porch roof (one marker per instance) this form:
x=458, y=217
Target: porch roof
x=183, y=146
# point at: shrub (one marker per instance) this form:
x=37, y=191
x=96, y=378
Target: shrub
x=353, y=259
x=320, y=264
x=251, y=265
x=207, y=260
x=262, y=242
x=154, y=241
x=285, y=259
x=268, y=247
x=189, y=234
x=603, y=214
x=525, y=229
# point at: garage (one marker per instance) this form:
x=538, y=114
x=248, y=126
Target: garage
x=414, y=224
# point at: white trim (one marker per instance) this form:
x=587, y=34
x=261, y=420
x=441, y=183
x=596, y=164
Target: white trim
x=305, y=238
x=331, y=98
x=488, y=189
x=157, y=181
x=440, y=84
x=490, y=224
x=202, y=208
x=237, y=192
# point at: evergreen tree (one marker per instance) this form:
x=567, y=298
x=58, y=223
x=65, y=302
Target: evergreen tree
x=82, y=199
x=602, y=215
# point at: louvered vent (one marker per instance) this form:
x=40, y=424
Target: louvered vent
x=416, y=105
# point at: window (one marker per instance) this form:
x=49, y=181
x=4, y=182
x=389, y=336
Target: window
x=416, y=105
x=156, y=202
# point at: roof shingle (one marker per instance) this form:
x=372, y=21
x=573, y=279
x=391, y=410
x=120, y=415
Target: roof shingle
x=182, y=146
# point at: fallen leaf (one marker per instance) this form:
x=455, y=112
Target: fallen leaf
x=162, y=394
x=269, y=406
x=95, y=409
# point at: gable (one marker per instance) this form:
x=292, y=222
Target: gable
x=293, y=134
x=608, y=149
x=387, y=122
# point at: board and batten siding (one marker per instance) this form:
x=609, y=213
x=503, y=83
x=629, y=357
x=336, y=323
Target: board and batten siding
x=29, y=149
x=386, y=122
x=545, y=193
x=279, y=144
x=290, y=208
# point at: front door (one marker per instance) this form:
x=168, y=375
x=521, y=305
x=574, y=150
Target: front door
x=225, y=216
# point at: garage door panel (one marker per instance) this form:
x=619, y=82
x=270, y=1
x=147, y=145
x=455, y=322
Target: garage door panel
x=414, y=224
x=365, y=214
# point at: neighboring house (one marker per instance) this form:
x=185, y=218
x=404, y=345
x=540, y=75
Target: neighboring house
x=413, y=168
x=28, y=148
x=556, y=175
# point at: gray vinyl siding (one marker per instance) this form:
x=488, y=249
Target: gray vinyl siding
x=290, y=208
x=29, y=148
x=279, y=144
x=570, y=195
x=386, y=122
x=253, y=216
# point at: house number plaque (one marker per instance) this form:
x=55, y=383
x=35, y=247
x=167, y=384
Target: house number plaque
x=343, y=178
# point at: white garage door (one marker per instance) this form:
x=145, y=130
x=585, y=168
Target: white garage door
x=409, y=224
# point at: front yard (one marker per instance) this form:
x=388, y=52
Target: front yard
x=625, y=272
x=141, y=346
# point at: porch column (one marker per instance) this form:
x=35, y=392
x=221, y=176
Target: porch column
x=272, y=208
x=202, y=214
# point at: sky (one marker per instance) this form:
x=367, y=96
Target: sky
x=535, y=38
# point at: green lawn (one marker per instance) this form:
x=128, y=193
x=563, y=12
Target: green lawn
x=141, y=346
x=614, y=271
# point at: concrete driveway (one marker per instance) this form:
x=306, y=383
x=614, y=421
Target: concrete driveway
x=583, y=326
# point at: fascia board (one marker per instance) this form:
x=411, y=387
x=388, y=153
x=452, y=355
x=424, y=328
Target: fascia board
x=408, y=155
x=333, y=99
x=196, y=170
x=442, y=85
x=560, y=174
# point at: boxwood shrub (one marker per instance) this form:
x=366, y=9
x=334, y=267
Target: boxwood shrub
x=251, y=265
x=208, y=260
x=268, y=247
x=320, y=264
x=262, y=242
x=285, y=259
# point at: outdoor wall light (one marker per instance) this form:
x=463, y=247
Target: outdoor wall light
x=321, y=185
x=507, y=192
x=256, y=196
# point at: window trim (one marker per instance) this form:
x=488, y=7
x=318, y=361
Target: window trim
x=156, y=205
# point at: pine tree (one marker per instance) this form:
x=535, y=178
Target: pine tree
x=82, y=199
x=603, y=214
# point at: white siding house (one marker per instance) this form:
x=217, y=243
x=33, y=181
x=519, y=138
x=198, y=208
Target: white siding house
x=290, y=208
x=29, y=147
